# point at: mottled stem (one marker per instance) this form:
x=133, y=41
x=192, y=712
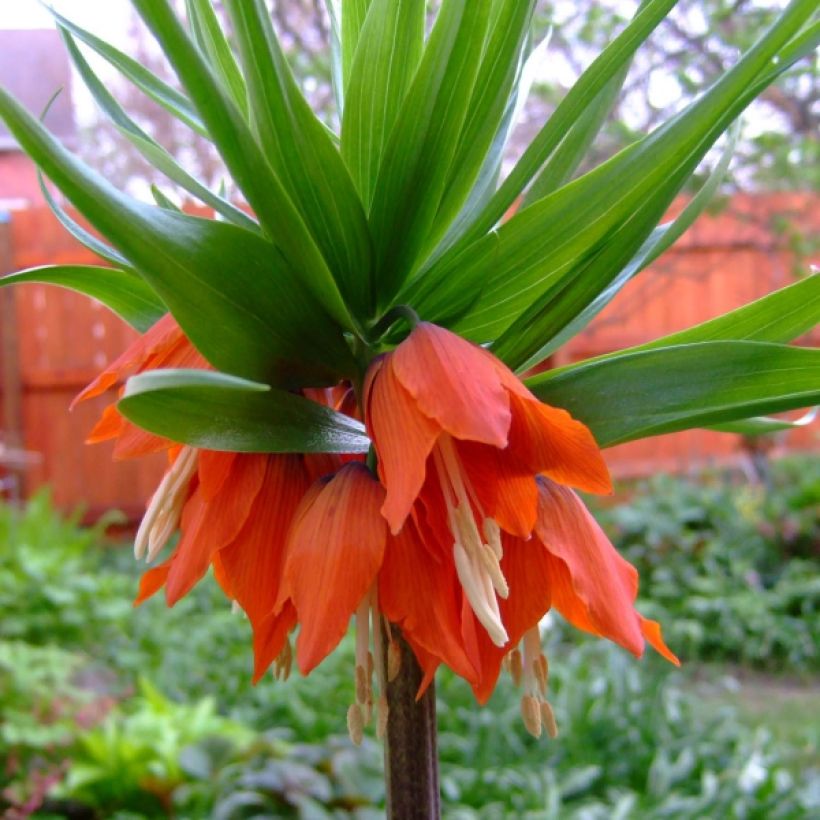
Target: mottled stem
x=410, y=747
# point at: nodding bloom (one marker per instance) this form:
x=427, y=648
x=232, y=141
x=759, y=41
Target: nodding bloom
x=483, y=470
x=467, y=536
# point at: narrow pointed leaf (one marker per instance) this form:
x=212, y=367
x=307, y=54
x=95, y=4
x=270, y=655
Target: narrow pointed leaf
x=352, y=14
x=413, y=172
x=146, y=145
x=387, y=56
x=256, y=320
x=213, y=42
x=244, y=157
x=765, y=425
x=303, y=156
x=542, y=245
x=637, y=395
x=485, y=112
x=566, y=309
x=176, y=103
x=123, y=292
x=83, y=236
x=572, y=107
x=220, y=412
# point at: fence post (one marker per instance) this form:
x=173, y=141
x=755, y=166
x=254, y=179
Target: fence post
x=11, y=384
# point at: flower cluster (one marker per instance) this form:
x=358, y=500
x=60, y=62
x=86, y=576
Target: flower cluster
x=465, y=537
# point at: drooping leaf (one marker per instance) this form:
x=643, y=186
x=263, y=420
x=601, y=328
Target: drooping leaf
x=121, y=291
x=413, y=172
x=646, y=393
x=255, y=320
x=220, y=412
x=303, y=156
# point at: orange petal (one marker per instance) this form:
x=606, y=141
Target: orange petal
x=163, y=333
x=253, y=562
x=506, y=490
x=207, y=526
x=109, y=425
x=548, y=440
x=403, y=437
x=432, y=620
x=335, y=548
x=604, y=584
x=652, y=632
x=152, y=581
x=213, y=469
x=526, y=567
x=133, y=442
x=269, y=638
x=453, y=382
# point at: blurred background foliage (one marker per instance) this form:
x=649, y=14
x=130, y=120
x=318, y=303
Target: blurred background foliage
x=111, y=712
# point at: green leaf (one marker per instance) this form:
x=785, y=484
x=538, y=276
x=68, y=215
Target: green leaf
x=578, y=99
x=220, y=412
x=243, y=156
x=146, y=145
x=637, y=395
x=160, y=92
x=121, y=291
x=777, y=317
x=352, y=14
x=303, y=156
x=764, y=425
x=413, y=173
x=237, y=300
x=84, y=237
x=565, y=311
x=334, y=12
x=613, y=205
x=211, y=39
x=388, y=53
x=490, y=99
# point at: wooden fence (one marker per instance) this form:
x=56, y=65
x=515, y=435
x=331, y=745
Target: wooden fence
x=54, y=342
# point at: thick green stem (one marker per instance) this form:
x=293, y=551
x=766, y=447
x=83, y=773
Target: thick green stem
x=410, y=747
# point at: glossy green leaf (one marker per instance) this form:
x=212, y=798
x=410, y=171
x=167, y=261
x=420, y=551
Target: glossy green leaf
x=83, y=236
x=388, y=53
x=565, y=159
x=352, y=14
x=243, y=156
x=163, y=201
x=207, y=30
x=565, y=311
x=152, y=86
x=123, y=292
x=413, y=173
x=146, y=145
x=303, y=156
x=490, y=98
x=765, y=425
x=637, y=395
x=582, y=94
x=334, y=12
x=255, y=319
x=220, y=412
x=544, y=244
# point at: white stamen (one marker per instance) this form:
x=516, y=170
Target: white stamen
x=163, y=513
x=477, y=561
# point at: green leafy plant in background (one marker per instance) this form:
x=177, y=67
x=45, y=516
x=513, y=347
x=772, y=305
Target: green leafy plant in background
x=340, y=241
